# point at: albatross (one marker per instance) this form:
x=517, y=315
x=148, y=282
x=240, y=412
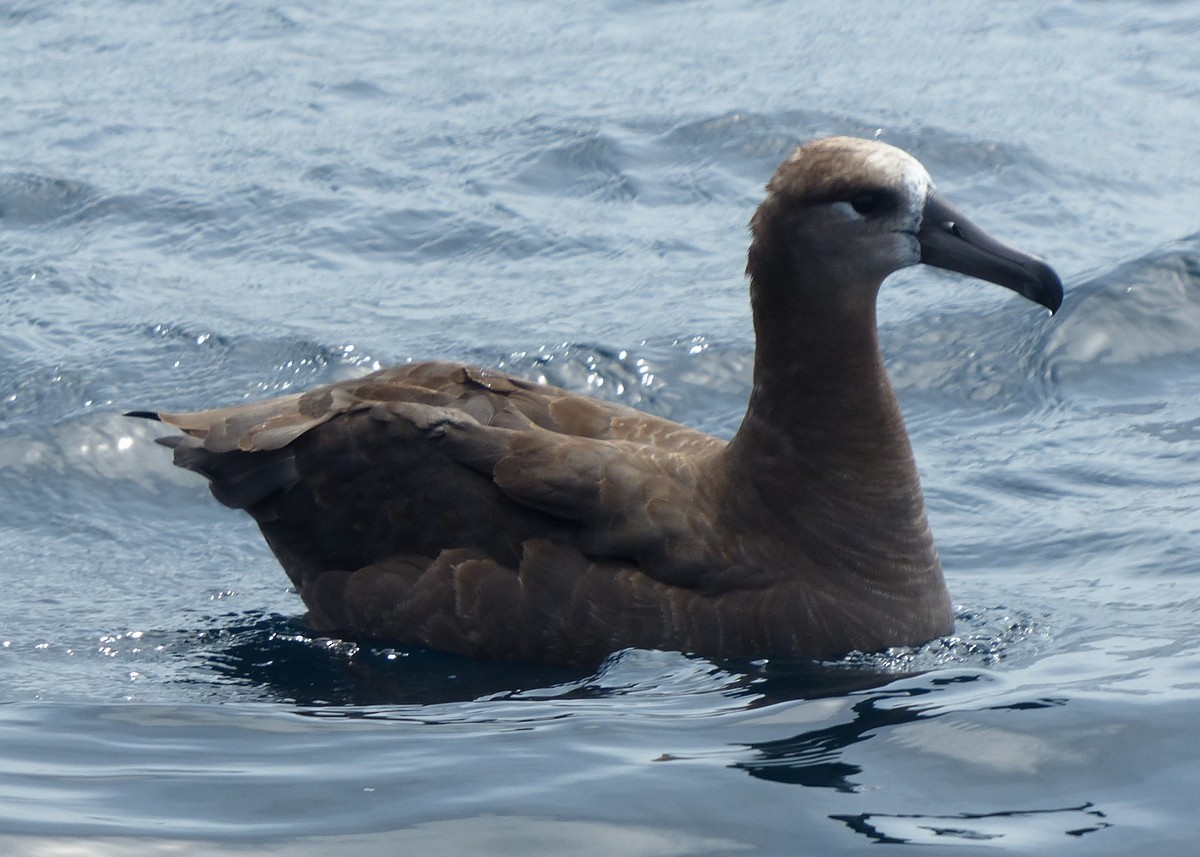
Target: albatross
x=463, y=509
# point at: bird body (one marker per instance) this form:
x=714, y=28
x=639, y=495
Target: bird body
x=464, y=509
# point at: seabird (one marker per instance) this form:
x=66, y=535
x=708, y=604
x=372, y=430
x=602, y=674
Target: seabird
x=464, y=509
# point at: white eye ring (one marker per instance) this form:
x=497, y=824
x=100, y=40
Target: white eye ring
x=846, y=211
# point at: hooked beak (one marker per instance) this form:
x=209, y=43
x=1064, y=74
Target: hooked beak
x=951, y=241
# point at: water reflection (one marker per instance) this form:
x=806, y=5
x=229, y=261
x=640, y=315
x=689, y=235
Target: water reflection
x=815, y=757
x=814, y=719
x=976, y=828
x=278, y=656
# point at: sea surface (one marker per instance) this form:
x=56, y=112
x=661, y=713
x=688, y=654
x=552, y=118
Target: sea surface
x=209, y=202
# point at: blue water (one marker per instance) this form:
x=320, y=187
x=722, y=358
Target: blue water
x=206, y=202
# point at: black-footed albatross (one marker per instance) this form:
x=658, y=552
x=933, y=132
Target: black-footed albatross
x=463, y=509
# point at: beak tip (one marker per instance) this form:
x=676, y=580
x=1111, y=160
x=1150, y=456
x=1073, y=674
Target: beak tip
x=1048, y=288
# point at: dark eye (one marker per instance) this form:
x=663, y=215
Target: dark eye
x=865, y=203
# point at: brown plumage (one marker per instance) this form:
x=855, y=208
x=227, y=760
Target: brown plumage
x=463, y=509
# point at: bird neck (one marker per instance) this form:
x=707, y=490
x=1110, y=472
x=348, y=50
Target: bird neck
x=823, y=441
x=820, y=387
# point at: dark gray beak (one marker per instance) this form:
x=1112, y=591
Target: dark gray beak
x=951, y=241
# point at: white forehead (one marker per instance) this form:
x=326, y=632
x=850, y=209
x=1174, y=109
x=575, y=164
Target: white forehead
x=873, y=162
x=900, y=169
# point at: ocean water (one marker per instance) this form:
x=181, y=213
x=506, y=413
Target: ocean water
x=214, y=201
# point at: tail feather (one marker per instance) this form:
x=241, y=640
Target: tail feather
x=238, y=479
